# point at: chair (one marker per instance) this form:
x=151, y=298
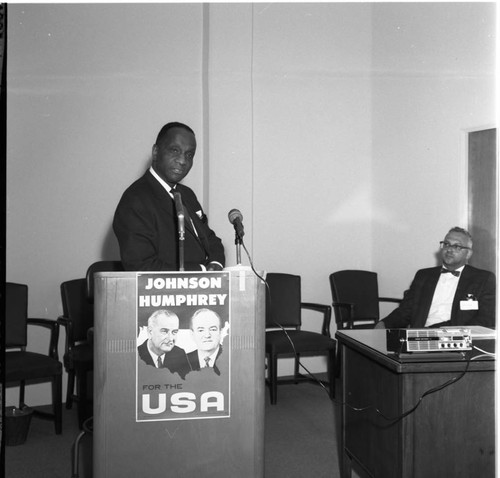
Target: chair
x=101, y=266
x=78, y=319
x=355, y=299
x=283, y=309
x=22, y=366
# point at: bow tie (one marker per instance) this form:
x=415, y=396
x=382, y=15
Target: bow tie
x=445, y=271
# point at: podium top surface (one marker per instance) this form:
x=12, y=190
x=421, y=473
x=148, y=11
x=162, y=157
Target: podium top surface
x=233, y=271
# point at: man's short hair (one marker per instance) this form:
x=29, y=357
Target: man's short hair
x=463, y=231
x=153, y=318
x=202, y=311
x=163, y=132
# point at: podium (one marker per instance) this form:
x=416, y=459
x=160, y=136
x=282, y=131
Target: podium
x=187, y=444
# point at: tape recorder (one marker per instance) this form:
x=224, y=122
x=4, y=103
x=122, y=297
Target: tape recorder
x=429, y=340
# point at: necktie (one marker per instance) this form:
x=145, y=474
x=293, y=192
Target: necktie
x=445, y=271
x=160, y=364
x=216, y=369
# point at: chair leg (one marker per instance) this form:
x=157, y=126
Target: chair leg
x=331, y=372
x=22, y=386
x=82, y=403
x=273, y=378
x=57, y=401
x=296, y=368
x=70, y=389
x=338, y=363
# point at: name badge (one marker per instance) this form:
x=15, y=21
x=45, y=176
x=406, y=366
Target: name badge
x=469, y=305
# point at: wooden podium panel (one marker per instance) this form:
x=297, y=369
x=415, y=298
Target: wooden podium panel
x=207, y=447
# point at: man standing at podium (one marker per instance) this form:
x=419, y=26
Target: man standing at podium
x=146, y=223
x=453, y=294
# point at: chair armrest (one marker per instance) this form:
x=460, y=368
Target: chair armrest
x=53, y=326
x=68, y=325
x=389, y=299
x=349, y=305
x=346, y=305
x=64, y=321
x=326, y=310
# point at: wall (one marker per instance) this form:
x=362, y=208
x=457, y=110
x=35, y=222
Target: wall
x=89, y=87
x=428, y=91
x=331, y=126
x=313, y=140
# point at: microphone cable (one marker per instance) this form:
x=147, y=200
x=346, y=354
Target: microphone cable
x=425, y=394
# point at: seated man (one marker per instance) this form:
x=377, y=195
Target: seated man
x=454, y=294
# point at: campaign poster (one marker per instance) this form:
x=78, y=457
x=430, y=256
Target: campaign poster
x=183, y=346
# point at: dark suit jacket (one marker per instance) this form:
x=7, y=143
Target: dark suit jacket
x=145, y=224
x=194, y=360
x=175, y=360
x=416, y=303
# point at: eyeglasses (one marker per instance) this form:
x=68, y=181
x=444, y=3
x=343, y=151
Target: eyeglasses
x=453, y=247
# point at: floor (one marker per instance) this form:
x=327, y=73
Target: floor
x=301, y=440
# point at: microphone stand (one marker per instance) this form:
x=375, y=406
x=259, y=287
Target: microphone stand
x=181, y=230
x=181, y=242
x=237, y=241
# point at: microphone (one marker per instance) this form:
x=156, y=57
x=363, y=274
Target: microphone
x=180, y=213
x=236, y=219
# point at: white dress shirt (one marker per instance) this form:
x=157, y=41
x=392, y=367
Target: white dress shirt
x=211, y=362
x=155, y=357
x=442, y=300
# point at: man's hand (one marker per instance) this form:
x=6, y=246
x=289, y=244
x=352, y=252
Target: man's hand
x=214, y=266
x=380, y=325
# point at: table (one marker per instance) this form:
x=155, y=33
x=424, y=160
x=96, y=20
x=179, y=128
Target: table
x=451, y=433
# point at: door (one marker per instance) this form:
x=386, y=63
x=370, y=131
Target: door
x=482, y=204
